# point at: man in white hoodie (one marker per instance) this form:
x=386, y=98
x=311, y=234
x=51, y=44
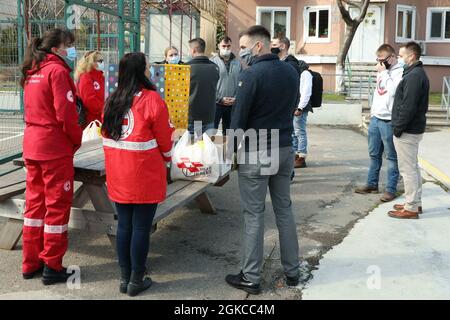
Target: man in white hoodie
x=390, y=73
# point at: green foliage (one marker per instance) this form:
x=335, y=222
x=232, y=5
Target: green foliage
x=8, y=46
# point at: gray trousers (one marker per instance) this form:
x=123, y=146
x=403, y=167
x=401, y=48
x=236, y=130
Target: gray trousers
x=407, y=147
x=253, y=190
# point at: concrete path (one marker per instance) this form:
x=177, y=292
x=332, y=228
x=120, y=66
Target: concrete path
x=191, y=253
x=385, y=258
x=434, y=155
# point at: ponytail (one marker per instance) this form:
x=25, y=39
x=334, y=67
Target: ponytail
x=38, y=49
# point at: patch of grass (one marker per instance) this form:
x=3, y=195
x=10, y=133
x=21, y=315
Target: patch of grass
x=435, y=98
x=333, y=97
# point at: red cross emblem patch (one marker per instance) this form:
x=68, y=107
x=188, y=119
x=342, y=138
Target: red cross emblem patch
x=186, y=164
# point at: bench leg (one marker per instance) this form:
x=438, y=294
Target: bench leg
x=80, y=198
x=10, y=234
x=204, y=204
x=100, y=200
x=112, y=240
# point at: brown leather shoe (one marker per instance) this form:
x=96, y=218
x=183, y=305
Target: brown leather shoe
x=366, y=190
x=400, y=207
x=388, y=197
x=299, y=162
x=403, y=214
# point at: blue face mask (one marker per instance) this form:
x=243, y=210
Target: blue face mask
x=71, y=53
x=174, y=60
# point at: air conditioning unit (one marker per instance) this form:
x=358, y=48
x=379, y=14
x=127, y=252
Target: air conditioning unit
x=423, y=46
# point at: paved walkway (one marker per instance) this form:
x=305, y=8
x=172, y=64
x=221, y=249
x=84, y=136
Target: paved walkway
x=385, y=258
x=434, y=155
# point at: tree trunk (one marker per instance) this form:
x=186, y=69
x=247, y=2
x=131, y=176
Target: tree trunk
x=340, y=63
x=351, y=28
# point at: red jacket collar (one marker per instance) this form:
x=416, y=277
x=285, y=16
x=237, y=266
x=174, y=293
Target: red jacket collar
x=49, y=60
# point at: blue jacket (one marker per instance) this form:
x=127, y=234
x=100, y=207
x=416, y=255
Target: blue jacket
x=266, y=96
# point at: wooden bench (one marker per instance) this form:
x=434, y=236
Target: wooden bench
x=11, y=185
x=90, y=171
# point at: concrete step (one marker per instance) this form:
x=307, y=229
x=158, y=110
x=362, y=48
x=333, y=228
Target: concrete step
x=430, y=123
x=430, y=109
x=363, y=73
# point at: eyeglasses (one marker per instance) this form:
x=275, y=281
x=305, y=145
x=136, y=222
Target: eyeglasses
x=383, y=60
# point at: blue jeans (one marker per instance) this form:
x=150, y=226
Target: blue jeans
x=381, y=140
x=133, y=234
x=198, y=125
x=299, y=137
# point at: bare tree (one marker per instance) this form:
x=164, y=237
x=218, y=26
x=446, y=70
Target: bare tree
x=351, y=27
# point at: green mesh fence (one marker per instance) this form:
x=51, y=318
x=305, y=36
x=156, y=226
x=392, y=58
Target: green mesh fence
x=96, y=26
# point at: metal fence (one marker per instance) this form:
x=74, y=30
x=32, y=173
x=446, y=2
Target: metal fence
x=95, y=25
x=356, y=88
x=445, y=100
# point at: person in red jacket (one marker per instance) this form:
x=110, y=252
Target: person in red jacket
x=51, y=138
x=137, y=140
x=91, y=85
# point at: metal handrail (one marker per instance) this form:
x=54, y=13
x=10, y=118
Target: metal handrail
x=445, y=100
x=348, y=69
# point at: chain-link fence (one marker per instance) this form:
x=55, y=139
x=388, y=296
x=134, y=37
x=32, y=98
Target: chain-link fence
x=96, y=25
x=11, y=122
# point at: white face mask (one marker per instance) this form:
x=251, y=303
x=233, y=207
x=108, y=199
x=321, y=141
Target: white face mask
x=101, y=66
x=225, y=53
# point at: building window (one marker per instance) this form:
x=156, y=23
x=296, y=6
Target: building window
x=406, y=23
x=317, y=23
x=276, y=19
x=438, y=24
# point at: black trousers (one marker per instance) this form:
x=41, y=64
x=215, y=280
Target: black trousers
x=223, y=113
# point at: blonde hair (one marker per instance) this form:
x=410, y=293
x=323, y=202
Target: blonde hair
x=168, y=49
x=87, y=63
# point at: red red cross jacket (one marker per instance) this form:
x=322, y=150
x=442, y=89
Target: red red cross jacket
x=51, y=119
x=136, y=164
x=91, y=90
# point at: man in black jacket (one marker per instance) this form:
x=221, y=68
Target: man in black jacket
x=302, y=107
x=408, y=123
x=266, y=94
x=204, y=79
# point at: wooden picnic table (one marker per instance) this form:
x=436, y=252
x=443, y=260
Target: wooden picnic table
x=89, y=164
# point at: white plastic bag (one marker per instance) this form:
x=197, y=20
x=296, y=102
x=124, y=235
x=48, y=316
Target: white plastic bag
x=92, y=131
x=195, y=162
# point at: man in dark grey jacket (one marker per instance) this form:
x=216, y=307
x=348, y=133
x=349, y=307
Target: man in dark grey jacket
x=266, y=95
x=408, y=123
x=230, y=67
x=202, y=99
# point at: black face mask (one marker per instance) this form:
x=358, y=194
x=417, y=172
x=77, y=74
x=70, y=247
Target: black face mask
x=387, y=65
x=275, y=51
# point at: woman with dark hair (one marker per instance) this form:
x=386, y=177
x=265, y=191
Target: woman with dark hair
x=138, y=143
x=51, y=138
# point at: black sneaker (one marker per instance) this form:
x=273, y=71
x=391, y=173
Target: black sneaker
x=50, y=276
x=292, y=281
x=31, y=275
x=238, y=281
